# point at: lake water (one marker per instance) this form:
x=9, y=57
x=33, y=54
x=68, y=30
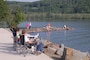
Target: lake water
x=79, y=38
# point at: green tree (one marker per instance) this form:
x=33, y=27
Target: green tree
x=4, y=12
x=18, y=16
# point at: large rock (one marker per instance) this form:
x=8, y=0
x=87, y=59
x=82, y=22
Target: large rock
x=64, y=52
x=60, y=50
x=46, y=43
x=50, y=47
x=72, y=54
x=69, y=52
x=52, y=50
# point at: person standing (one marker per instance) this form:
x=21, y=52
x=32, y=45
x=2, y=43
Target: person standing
x=48, y=26
x=65, y=26
x=17, y=36
x=13, y=30
x=27, y=25
x=30, y=25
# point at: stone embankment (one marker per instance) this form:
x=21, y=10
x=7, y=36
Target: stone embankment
x=61, y=52
x=44, y=29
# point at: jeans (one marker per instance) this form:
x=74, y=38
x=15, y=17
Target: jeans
x=39, y=47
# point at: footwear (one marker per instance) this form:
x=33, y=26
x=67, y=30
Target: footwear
x=37, y=53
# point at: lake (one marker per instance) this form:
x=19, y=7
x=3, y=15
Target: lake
x=79, y=38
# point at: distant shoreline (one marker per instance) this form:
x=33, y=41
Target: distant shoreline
x=58, y=17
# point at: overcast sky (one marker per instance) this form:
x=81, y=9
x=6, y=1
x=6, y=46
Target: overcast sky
x=24, y=0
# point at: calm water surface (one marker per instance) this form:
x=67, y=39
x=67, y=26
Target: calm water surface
x=79, y=38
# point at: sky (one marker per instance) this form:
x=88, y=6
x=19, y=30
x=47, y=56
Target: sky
x=24, y=0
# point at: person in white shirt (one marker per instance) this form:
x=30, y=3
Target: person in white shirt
x=30, y=25
x=65, y=26
x=26, y=37
x=39, y=46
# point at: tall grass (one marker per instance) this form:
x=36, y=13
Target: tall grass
x=56, y=16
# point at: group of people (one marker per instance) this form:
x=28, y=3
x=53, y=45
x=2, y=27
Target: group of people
x=24, y=37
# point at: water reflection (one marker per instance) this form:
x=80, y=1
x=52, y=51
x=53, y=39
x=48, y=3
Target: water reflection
x=48, y=35
x=65, y=34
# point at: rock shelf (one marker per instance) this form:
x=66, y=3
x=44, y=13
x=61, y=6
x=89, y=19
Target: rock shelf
x=45, y=29
x=61, y=52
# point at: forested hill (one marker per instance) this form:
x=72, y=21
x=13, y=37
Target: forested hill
x=54, y=6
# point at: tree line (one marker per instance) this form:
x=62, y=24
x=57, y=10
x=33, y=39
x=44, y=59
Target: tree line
x=53, y=10
x=8, y=16
x=44, y=10
x=54, y=6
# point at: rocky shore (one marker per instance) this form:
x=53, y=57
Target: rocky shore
x=61, y=52
x=44, y=29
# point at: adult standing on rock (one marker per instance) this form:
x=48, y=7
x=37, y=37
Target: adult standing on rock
x=48, y=26
x=27, y=25
x=30, y=25
x=65, y=27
